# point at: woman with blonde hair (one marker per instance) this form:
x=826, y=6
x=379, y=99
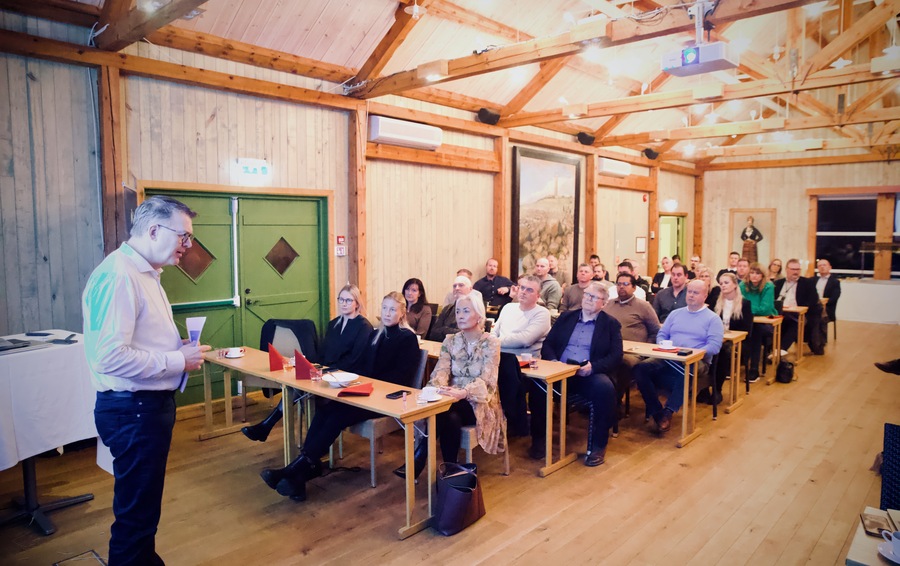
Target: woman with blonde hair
x=775, y=270
x=736, y=314
x=391, y=354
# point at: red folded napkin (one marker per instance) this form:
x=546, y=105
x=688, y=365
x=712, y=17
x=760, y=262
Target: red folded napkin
x=276, y=360
x=524, y=364
x=361, y=390
x=302, y=366
x=668, y=350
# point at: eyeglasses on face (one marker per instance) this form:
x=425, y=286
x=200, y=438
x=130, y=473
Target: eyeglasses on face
x=186, y=237
x=345, y=300
x=591, y=297
x=623, y=284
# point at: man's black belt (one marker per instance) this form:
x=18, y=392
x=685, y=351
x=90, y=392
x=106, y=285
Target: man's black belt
x=135, y=394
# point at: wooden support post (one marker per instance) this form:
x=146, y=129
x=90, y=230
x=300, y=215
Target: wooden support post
x=884, y=228
x=112, y=158
x=811, y=235
x=590, y=205
x=698, y=216
x=653, y=223
x=356, y=202
x=502, y=204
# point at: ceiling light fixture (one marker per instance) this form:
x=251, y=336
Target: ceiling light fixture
x=841, y=63
x=415, y=10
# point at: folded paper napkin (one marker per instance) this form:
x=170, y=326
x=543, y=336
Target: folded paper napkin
x=361, y=390
x=302, y=366
x=276, y=360
x=668, y=350
x=524, y=363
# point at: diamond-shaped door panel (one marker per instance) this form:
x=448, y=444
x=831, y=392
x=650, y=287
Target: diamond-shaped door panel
x=196, y=260
x=281, y=256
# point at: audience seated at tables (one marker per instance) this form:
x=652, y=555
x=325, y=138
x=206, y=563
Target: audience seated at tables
x=521, y=328
x=450, y=297
x=662, y=279
x=494, y=288
x=551, y=292
x=694, y=326
x=571, y=299
x=673, y=297
x=704, y=274
x=639, y=324
x=743, y=269
x=775, y=268
x=828, y=287
x=343, y=344
x=627, y=267
x=418, y=313
x=761, y=294
x=736, y=314
x=391, y=354
x=733, y=258
x=467, y=371
x=796, y=291
x=445, y=323
x=593, y=339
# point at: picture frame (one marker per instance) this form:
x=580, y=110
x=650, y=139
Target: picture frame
x=764, y=228
x=640, y=244
x=546, y=196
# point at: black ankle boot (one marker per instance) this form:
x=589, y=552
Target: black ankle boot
x=293, y=481
x=260, y=432
x=420, y=458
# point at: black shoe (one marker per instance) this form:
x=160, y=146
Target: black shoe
x=718, y=398
x=704, y=397
x=303, y=468
x=293, y=488
x=595, y=457
x=260, y=431
x=753, y=376
x=664, y=422
x=892, y=366
x=420, y=458
x=538, y=449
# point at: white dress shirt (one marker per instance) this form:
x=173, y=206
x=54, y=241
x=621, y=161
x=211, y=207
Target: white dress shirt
x=130, y=338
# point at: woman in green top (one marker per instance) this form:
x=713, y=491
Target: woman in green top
x=761, y=293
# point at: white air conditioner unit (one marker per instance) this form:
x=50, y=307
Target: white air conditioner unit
x=403, y=133
x=613, y=168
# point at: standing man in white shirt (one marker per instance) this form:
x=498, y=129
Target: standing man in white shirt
x=521, y=329
x=137, y=361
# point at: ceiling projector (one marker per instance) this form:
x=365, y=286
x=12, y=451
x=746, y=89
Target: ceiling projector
x=699, y=59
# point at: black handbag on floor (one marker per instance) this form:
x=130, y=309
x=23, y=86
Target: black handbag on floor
x=459, y=499
x=785, y=372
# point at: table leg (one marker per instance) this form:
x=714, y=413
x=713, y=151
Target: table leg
x=736, y=399
x=32, y=509
x=409, y=441
x=801, y=327
x=226, y=388
x=690, y=406
x=564, y=459
x=208, y=430
x=288, y=425
x=776, y=354
x=207, y=396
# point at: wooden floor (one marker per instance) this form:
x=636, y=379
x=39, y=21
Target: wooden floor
x=781, y=481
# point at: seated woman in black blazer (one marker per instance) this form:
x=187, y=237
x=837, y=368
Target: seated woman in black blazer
x=736, y=314
x=391, y=354
x=418, y=313
x=344, y=342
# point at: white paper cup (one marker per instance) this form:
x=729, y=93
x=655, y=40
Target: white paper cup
x=667, y=344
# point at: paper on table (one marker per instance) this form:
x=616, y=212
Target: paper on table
x=195, y=328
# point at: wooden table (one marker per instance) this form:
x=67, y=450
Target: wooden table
x=736, y=337
x=864, y=548
x=689, y=430
x=550, y=373
x=256, y=363
x=801, y=327
x=775, y=322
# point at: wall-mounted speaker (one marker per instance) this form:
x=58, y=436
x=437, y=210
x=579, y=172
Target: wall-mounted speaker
x=585, y=138
x=486, y=116
x=650, y=154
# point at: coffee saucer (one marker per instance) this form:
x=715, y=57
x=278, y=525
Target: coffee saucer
x=241, y=355
x=430, y=399
x=884, y=549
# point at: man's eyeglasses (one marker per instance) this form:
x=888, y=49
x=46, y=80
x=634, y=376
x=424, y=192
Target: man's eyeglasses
x=592, y=298
x=186, y=237
x=623, y=284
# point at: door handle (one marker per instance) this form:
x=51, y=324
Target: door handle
x=251, y=302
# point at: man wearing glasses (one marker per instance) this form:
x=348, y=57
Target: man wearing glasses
x=521, y=329
x=592, y=339
x=137, y=361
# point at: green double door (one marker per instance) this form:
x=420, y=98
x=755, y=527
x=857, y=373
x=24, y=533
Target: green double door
x=253, y=258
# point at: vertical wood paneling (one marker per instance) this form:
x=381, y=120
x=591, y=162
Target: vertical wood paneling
x=425, y=222
x=619, y=206
x=49, y=191
x=782, y=189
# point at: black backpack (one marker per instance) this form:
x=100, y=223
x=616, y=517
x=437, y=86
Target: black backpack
x=785, y=372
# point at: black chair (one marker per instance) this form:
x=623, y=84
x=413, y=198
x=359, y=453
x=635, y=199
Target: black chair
x=286, y=335
x=890, y=468
x=434, y=313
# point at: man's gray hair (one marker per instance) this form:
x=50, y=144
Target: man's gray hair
x=533, y=278
x=157, y=208
x=598, y=288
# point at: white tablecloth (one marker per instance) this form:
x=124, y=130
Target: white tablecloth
x=46, y=400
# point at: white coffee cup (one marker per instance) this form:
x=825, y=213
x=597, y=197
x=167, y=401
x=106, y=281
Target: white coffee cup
x=236, y=352
x=667, y=344
x=525, y=357
x=894, y=539
x=429, y=392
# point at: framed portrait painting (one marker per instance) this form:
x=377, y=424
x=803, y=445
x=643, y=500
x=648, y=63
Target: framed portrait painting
x=752, y=233
x=545, y=210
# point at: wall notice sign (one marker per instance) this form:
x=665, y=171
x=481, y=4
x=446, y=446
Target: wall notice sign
x=341, y=240
x=340, y=251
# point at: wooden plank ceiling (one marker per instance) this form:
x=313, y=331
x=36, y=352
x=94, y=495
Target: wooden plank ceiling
x=804, y=83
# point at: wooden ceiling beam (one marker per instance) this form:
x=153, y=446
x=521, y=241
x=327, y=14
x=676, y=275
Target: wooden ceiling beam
x=452, y=12
x=619, y=32
x=137, y=24
x=656, y=82
x=874, y=94
x=674, y=99
x=381, y=55
x=548, y=70
x=755, y=127
x=239, y=52
x=449, y=99
x=786, y=147
x=64, y=11
x=797, y=162
x=886, y=130
x=871, y=22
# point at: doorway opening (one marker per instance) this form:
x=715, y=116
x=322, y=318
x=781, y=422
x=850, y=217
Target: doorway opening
x=671, y=235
